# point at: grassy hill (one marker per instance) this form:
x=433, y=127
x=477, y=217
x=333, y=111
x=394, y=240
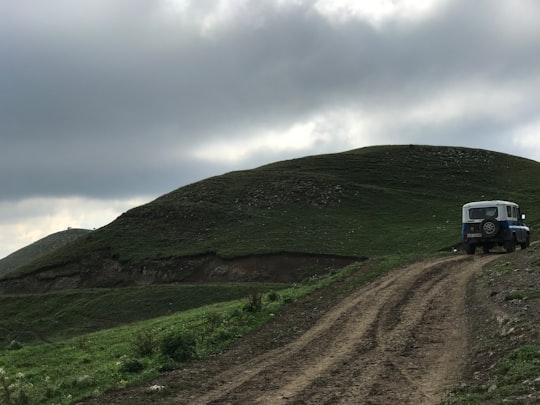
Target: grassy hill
x=367, y=202
x=387, y=202
x=39, y=248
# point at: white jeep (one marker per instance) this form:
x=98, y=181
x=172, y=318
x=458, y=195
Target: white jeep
x=494, y=223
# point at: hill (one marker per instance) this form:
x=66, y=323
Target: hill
x=367, y=202
x=39, y=248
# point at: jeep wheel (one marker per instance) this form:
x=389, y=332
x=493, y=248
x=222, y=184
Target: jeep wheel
x=469, y=249
x=490, y=228
x=526, y=244
x=510, y=245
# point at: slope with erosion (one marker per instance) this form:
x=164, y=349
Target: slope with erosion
x=362, y=203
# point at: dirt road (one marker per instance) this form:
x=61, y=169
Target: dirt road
x=401, y=339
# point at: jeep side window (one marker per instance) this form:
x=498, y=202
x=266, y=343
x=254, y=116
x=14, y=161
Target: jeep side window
x=509, y=211
x=476, y=213
x=482, y=213
x=491, y=212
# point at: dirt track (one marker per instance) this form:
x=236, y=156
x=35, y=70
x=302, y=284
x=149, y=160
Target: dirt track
x=401, y=339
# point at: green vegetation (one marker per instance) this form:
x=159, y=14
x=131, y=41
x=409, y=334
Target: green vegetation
x=505, y=360
x=393, y=204
x=40, y=248
x=65, y=314
x=511, y=377
x=88, y=365
x=522, y=295
x=367, y=202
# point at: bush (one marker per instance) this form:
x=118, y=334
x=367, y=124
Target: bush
x=14, y=390
x=179, y=346
x=253, y=301
x=131, y=366
x=213, y=321
x=144, y=343
x=273, y=296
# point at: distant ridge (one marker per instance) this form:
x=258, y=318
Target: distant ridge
x=39, y=248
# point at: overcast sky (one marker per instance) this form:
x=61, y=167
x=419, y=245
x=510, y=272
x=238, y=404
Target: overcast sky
x=107, y=104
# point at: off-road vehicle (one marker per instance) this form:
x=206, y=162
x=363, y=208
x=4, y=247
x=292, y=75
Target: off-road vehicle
x=494, y=223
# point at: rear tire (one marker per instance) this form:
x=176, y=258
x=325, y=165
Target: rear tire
x=525, y=244
x=490, y=228
x=510, y=245
x=470, y=248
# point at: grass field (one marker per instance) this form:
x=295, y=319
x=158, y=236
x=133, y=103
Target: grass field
x=88, y=364
x=34, y=318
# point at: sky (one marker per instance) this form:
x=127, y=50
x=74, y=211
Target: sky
x=108, y=104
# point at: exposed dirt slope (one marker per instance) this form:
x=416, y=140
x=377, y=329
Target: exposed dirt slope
x=400, y=339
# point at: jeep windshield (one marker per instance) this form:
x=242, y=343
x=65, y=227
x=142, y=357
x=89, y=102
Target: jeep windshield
x=482, y=213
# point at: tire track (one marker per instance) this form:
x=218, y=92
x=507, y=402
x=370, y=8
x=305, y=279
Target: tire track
x=414, y=360
x=392, y=340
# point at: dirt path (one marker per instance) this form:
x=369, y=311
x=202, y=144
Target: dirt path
x=400, y=339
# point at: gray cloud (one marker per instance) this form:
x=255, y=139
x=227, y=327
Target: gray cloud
x=110, y=99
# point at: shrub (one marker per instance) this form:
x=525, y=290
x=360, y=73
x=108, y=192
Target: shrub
x=131, y=366
x=213, y=321
x=144, y=343
x=253, y=301
x=179, y=346
x=14, y=391
x=273, y=296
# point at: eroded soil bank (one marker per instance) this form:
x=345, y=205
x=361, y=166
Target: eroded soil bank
x=276, y=267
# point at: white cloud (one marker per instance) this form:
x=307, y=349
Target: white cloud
x=330, y=131
x=461, y=100
x=226, y=13
x=527, y=140
x=376, y=12
x=27, y=221
x=175, y=6
x=299, y=137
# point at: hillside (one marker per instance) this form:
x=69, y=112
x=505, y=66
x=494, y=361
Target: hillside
x=39, y=248
x=362, y=203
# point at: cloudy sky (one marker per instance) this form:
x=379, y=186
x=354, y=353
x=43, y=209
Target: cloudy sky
x=107, y=104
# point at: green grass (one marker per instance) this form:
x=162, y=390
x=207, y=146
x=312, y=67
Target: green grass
x=88, y=365
x=30, y=318
x=40, y=248
x=367, y=202
x=522, y=295
x=393, y=203
x=511, y=377
x=506, y=356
